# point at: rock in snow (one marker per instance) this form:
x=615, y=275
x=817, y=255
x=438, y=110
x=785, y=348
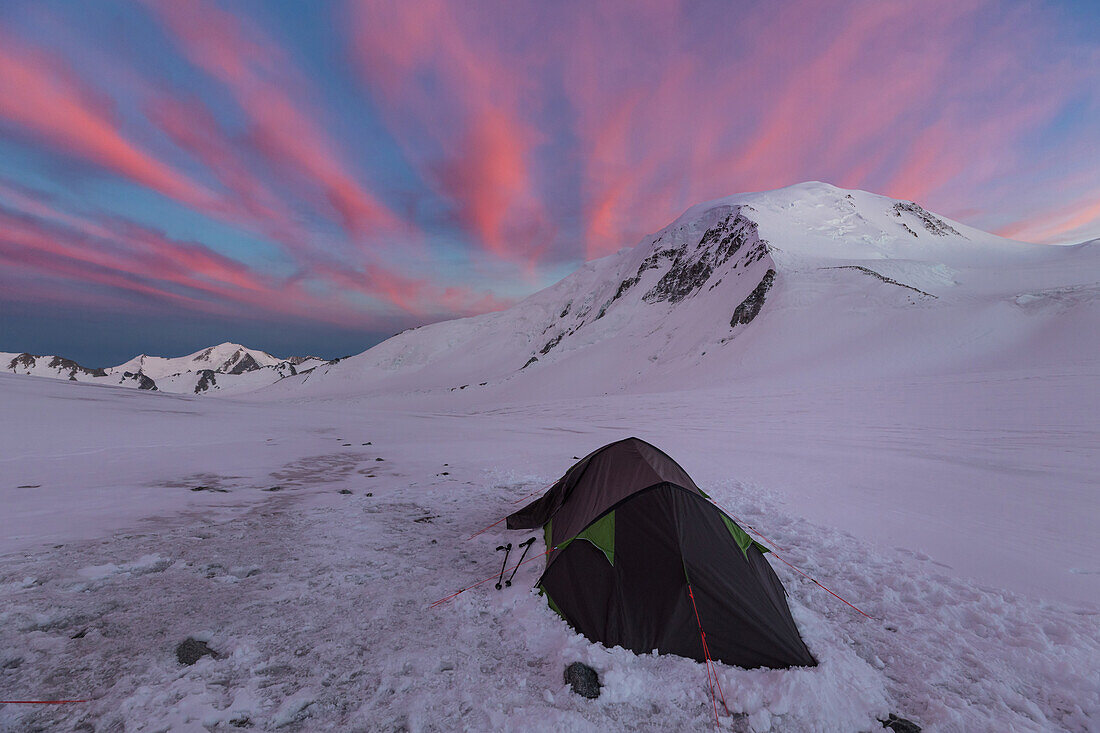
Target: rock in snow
x=191, y=650
x=583, y=680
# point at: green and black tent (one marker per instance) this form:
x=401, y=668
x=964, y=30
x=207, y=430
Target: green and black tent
x=643, y=560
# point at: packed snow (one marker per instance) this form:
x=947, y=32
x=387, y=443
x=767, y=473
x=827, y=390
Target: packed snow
x=909, y=416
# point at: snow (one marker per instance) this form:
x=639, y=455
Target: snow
x=178, y=375
x=928, y=456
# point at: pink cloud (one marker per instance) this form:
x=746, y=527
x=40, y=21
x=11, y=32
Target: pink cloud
x=260, y=77
x=472, y=117
x=40, y=96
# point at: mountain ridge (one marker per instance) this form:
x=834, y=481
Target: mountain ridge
x=848, y=270
x=194, y=373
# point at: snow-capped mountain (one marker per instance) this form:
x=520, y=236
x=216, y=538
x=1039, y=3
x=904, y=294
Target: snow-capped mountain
x=852, y=282
x=226, y=367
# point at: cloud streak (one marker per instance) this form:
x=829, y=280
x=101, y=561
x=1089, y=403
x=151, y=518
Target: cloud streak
x=369, y=163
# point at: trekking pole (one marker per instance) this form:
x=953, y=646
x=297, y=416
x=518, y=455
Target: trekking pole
x=526, y=546
x=507, y=549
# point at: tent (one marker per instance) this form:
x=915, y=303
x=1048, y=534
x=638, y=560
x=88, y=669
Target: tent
x=640, y=558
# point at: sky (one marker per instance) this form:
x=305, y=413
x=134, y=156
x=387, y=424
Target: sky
x=314, y=177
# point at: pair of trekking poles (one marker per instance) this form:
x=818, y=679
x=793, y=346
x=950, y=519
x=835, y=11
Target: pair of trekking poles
x=507, y=550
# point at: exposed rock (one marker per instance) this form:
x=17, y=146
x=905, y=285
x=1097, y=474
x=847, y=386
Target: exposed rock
x=900, y=725
x=930, y=221
x=23, y=361
x=883, y=278
x=583, y=679
x=246, y=364
x=692, y=266
x=73, y=368
x=61, y=364
x=530, y=361
x=750, y=306
x=552, y=343
x=296, y=360
x=191, y=650
x=207, y=380
x=143, y=382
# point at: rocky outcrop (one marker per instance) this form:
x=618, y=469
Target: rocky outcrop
x=68, y=365
x=883, y=278
x=750, y=306
x=65, y=368
x=692, y=266
x=143, y=382
x=929, y=221
x=207, y=381
x=245, y=364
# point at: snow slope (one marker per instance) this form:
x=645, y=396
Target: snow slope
x=863, y=286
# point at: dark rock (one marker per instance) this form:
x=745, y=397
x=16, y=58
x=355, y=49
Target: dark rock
x=80, y=634
x=62, y=364
x=900, y=725
x=379, y=459
x=345, y=491
x=551, y=343
x=29, y=486
x=883, y=278
x=692, y=268
x=583, y=679
x=750, y=306
x=143, y=381
x=274, y=488
x=369, y=493
x=207, y=380
x=530, y=361
x=191, y=650
x=932, y=223
x=246, y=364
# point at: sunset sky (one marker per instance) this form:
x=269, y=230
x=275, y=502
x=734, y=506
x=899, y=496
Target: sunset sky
x=312, y=177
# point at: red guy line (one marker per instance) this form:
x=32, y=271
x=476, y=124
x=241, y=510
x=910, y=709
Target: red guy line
x=444, y=600
x=780, y=557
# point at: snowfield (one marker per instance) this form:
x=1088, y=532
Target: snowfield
x=320, y=601
x=906, y=409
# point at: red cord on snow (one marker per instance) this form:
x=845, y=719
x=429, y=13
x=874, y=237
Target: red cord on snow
x=486, y=529
x=441, y=601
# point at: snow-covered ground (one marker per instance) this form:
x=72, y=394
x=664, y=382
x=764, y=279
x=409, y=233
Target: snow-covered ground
x=320, y=600
x=907, y=409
